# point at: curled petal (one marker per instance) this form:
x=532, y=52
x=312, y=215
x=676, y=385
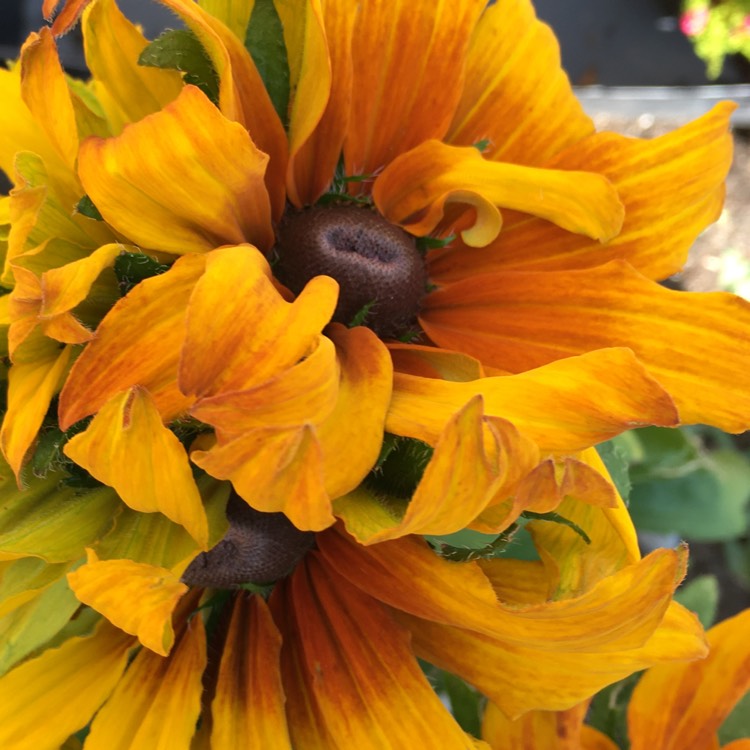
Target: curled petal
x=414, y=189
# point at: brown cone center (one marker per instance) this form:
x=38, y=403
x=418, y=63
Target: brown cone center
x=376, y=264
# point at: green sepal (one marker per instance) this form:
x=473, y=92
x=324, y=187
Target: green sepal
x=132, y=268
x=180, y=49
x=361, y=316
x=264, y=41
x=468, y=545
x=615, y=458
x=400, y=469
x=86, y=207
x=557, y=518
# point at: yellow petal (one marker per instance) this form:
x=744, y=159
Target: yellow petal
x=242, y=94
x=692, y=699
x=234, y=14
x=408, y=74
x=249, y=701
x=157, y=703
x=347, y=665
x=429, y=362
x=241, y=331
x=182, y=180
x=127, y=447
x=315, y=160
x=516, y=94
x=127, y=91
x=138, y=343
x=22, y=580
x=86, y=668
x=661, y=223
x=519, y=320
x=415, y=188
x=565, y=406
x=135, y=597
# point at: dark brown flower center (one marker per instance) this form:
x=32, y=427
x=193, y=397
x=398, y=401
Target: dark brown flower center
x=258, y=548
x=379, y=270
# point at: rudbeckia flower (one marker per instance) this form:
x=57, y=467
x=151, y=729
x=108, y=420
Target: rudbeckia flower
x=679, y=705
x=323, y=341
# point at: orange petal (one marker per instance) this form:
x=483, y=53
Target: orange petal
x=314, y=161
x=68, y=16
x=408, y=75
x=127, y=91
x=429, y=362
x=565, y=406
x=241, y=331
x=516, y=94
x=520, y=320
x=249, y=700
x=138, y=343
x=347, y=666
x=661, y=223
x=692, y=699
x=87, y=668
x=182, y=180
x=158, y=701
x=415, y=188
x=242, y=94
x=127, y=447
x=31, y=386
x=135, y=597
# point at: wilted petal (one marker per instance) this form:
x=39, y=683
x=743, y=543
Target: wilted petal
x=135, y=597
x=182, y=180
x=415, y=188
x=520, y=320
x=127, y=447
x=249, y=700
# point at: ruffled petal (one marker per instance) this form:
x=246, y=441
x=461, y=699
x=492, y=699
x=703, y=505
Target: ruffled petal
x=135, y=597
x=672, y=188
x=346, y=664
x=564, y=406
x=520, y=320
x=182, y=180
x=516, y=95
x=408, y=75
x=138, y=343
x=693, y=699
x=127, y=91
x=85, y=668
x=414, y=190
x=249, y=700
x=127, y=447
x=158, y=701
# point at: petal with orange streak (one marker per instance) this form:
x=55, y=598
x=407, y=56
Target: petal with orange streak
x=127, y=91
x=672, y=188
x=85, y=668
x=414, y=190
x=241, y=331
x=516, y=94
x=520, y=320
x=249, y=700
x=408, y=75
x=183, y=180
x=551, y=730
x=127, y=447
x=430, y=362
x=276, y=470
x=552, y=675
x=314, y=160
x=31, y=385
x=693, y=699
x=136, y=597
x=564, y=406
x=242, y=93
x=138, y=343
x=158, y=701
x=46, y=93
x=355, y=669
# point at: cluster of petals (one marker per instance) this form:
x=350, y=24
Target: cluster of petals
x=546, y=332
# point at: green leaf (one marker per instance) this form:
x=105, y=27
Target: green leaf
x=737, y=724
x=132, y=268
x=616, y=460
x=265, y=43
x=468, y=545
x=180, y=49
x=701, y=595
x=86, y=207
x=466, y=703
x=608, y=710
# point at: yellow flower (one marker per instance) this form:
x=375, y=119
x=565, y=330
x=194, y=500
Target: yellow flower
x=227, y=412
x=673, y=705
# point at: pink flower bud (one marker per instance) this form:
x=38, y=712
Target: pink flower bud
x=692, y=22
